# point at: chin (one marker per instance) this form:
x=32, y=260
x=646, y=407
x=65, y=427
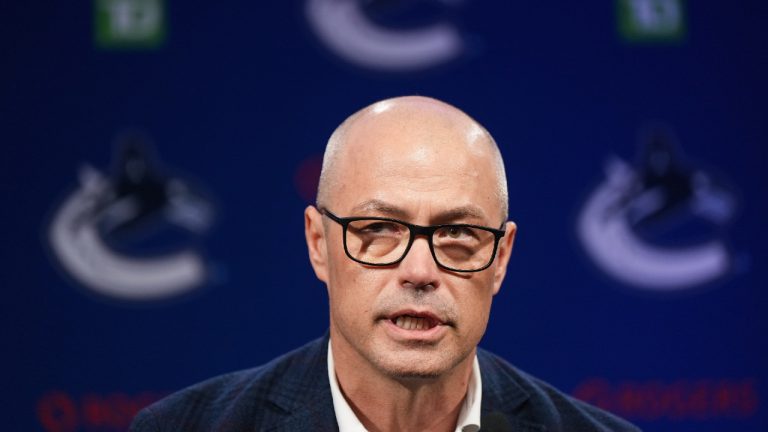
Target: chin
x=408, y=373
x=415, y=376
x=417, y=365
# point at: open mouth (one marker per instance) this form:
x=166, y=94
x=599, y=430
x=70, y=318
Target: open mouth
x=415, y=322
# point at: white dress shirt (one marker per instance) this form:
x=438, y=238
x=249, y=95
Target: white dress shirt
x=469, y=416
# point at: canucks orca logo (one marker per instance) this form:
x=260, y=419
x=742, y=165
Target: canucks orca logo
x=658, y=226
x=345, y=28
x=95, y=231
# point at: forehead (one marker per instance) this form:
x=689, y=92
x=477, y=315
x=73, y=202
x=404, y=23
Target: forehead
x=418, y=156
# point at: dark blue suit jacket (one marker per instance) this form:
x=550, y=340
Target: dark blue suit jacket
x=292, y=393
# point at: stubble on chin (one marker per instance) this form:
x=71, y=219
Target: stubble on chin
x=416, y=361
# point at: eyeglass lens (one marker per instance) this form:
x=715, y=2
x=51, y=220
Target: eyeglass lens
x=384, y=242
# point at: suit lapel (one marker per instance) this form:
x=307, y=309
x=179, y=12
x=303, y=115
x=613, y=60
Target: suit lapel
x=303, y=396
x=502, y=394
x=304, y=393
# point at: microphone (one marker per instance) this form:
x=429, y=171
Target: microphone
x=495, y=421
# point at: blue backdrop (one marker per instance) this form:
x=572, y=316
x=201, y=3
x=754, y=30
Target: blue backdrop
x=158, y=155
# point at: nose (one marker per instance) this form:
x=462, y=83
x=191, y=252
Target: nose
x=418, y=270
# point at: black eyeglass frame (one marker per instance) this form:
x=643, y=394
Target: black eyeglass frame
x=415, y=230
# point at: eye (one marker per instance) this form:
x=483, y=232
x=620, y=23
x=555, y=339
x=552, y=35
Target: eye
x=458, y=232
x=454, y=232
x=378, y=227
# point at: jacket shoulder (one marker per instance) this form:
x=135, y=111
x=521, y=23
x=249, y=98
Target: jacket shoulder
x=235, y=401
x=535, y=402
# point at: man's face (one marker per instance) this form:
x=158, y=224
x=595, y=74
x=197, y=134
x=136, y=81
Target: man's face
x=412, y=319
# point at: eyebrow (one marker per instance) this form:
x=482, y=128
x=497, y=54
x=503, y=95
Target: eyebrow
x=469, y=211
x=379, y=206
x=463, y=212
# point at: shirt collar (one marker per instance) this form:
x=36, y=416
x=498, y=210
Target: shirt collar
x=469, y=416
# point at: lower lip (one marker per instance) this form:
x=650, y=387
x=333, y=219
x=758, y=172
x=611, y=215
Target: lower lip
x=430, y=335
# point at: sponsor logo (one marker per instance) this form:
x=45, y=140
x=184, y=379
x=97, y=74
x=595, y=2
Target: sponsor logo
x=348, y=29
x=106, y=233
x=651, y=20
x=307, y=177
x=658, y=225
x=61, y=411
x=677, y=400
x=129, y=23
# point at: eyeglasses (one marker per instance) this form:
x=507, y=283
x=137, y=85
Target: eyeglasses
x=377, y=241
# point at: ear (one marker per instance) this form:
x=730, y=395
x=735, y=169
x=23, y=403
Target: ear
x=502, y=256
x=315, y=236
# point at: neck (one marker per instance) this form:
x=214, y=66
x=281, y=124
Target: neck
x=385, y=403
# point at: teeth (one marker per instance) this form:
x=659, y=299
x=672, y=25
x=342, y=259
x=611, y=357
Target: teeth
x=412, y=323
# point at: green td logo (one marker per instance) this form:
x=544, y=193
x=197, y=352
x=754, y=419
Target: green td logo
x=130, y=23
x=651, y=20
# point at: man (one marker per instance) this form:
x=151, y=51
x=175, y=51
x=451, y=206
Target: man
x=410, y=236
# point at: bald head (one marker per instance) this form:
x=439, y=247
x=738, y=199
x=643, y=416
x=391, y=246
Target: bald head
x=411, y=136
